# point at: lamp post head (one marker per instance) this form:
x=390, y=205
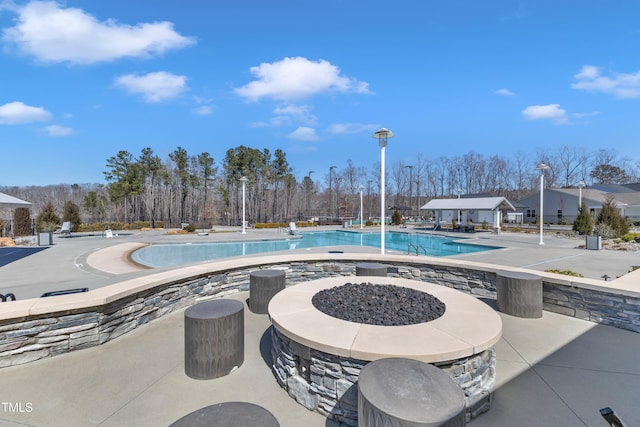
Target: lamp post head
x=542, y=167
x=244, y=179
x=382, y=135
x=581, y=184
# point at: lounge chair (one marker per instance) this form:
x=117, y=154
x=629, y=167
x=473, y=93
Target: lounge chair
x=66, y=228
x=292, y=228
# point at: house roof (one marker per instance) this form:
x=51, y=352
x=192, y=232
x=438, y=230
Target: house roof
x=10, y=202
x=466, y=204
x=613, y=188
x=594, y=197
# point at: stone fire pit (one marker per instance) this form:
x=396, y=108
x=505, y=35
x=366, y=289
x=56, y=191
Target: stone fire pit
x=317, y=358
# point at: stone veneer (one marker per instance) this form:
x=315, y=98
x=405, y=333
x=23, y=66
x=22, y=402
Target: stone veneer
x=327, y=383
x=44, y=327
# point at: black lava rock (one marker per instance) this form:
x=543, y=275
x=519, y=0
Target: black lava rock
x=384, y=305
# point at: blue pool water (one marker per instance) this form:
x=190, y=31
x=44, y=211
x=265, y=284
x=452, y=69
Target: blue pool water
x=167, y=255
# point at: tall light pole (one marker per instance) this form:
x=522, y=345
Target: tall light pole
x=330, y=179
x=361, y=216
x=382, y=135
x=581, y=184
x=369, y=198
x=459, y=193
x=542, y=167
x=244, y=224
x=338, y=182
x=410, y=188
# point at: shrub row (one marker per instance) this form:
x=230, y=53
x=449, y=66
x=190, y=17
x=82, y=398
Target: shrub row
x=101, y=226
x=283, y=224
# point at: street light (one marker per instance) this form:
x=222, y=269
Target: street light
x=581, y=184
x=244, y=182
x=459, y=193
x=542, y=167
x=369, y=198
x=330, y=179
x=382, y=135
x=361, y=217
x=338, y=182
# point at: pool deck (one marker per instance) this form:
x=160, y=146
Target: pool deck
x=551, y=371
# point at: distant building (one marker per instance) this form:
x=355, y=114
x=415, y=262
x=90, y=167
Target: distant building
x=470, y=210
x=562, y=203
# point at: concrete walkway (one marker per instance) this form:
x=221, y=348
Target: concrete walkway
x=553, y=371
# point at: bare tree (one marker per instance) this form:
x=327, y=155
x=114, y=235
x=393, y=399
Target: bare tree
x=571, y=161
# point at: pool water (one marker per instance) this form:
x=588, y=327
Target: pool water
x=167, y=255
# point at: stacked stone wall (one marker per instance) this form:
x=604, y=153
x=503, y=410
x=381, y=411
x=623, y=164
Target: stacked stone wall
x=25, y=339
x=621, y=309
x=327, y=384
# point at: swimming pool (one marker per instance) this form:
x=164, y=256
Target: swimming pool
x=168, y=255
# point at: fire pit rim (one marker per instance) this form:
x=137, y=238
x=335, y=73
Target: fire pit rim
x=467, y=327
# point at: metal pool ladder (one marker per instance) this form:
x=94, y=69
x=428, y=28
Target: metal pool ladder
x=416, y=248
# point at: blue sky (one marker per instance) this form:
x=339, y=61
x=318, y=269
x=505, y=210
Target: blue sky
x=81, y=80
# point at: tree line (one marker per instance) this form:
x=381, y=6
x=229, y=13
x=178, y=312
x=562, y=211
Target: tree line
x=197, y=189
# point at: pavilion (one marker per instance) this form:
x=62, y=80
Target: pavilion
x=470, y=210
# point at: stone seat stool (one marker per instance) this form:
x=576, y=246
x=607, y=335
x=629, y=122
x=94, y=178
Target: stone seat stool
x=263, y=285
x=213, y=338
x=519, y=294
x=229, y=414
x=408, y=393
x=371, y=269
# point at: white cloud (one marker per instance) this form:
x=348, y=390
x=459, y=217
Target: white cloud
x=201, y=100
x=621, y=85
x=260, y=124
x=583, y=115
x=294, y=113
x=204, y=110
x=504, y=92
x=16, y=113
x=52, y=33
x=551, y=112
x=154, y=87
x=351, y=128
x=55, y=130
x=298, y=78
x=304, y=133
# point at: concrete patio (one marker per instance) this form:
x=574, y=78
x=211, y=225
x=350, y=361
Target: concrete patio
x=552, y=371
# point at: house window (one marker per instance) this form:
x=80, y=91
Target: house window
x=531, y=213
